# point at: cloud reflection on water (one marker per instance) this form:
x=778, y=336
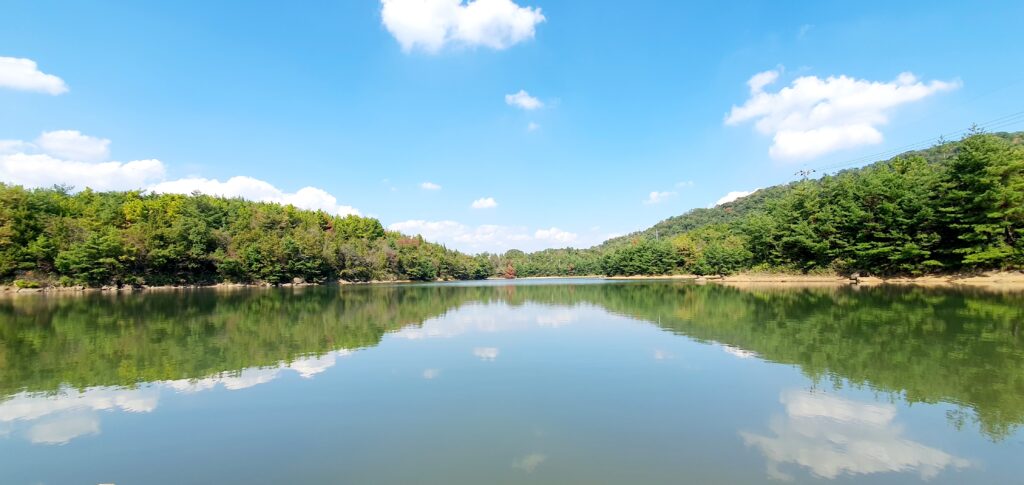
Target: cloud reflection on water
x=490, y=318
x=833, y=436
x=59, y=417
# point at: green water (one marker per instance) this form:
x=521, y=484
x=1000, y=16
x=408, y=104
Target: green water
x=560, y=381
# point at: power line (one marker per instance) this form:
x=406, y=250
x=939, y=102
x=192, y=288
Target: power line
x=991, y=125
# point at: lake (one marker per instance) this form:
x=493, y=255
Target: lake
x=543, y=381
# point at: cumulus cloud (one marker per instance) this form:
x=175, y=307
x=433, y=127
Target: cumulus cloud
x=731, y=196
x=430, y=186
x=758, y=81
x=814, y=116
x=71, y=158
x=73, y=145
x=258, y=190
x=41, y=170
x=484, y=203
x=67, y=157
x=523, y=100
x=430, y=25
x=486, y=237
x=556, y=235
x=658, y=197
x=13, y=146
x=494, y=238
x=24, y=75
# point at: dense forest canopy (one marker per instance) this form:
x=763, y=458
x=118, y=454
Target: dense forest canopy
x=93, y=238
x=958, y=206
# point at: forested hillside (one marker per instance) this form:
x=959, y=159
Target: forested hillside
x=955, y=207
x=53, y=236
x=958, y=206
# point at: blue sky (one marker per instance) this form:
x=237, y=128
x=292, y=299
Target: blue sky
x=631, y=104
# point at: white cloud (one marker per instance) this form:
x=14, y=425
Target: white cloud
x=531, y=127
x=430, y=374
x=484, y=203
x=40, y=170
x=430, y=186
x=685, y=184
x=831, y=436
x=71, y=158
x=433, y=230
x=493, y=238
x=24, y=75
x=658, y=197
x=523, y=100
x=254, y=189
x=73, y=145
x=758, y=81
x=431, y=24
x=486, y=353
x=13, y=146
x=815, y=116
x=486, y=237
x=731, y=196
x=555, y=234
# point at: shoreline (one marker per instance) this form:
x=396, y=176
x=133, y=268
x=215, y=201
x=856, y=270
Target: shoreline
x=991, y=279
x=996, y=280
x=11, y=289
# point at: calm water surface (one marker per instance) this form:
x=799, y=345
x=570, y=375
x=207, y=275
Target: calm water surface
x=561, y=381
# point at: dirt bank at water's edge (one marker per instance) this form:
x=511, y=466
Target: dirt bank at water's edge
x=992, y=279
x=996, y=280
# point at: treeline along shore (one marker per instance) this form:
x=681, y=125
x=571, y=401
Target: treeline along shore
x=955, y=208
